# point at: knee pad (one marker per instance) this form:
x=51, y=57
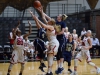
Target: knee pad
x=75, y=62
x=91, y=63
x=10, y=66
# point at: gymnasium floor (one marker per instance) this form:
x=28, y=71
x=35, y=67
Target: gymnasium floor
x=31, y=68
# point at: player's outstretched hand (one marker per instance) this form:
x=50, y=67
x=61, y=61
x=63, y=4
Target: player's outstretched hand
x=31, y=12
x=40, y=9
x=29, y=23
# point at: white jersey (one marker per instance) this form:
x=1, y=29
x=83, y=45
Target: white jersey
x=31, y=46
x=51, y=35
x=18, y=52
x=84, y=53
x=18, y=43
x=26, y=44
x=53, y=42
x=85, y=40
x=79, y=45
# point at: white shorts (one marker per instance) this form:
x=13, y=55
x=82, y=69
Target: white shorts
x=17, y=56
x=84, y=54
x=53, y=46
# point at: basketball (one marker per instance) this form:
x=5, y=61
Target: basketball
x=37, y=4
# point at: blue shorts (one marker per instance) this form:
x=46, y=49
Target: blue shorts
x=61, y=48
x=67, y=56
x=40, y=47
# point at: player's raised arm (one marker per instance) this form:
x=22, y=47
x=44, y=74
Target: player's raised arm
x=45, y=17
x=30, y=29
x=46, y=26
x=15, y=29
x=37, y=24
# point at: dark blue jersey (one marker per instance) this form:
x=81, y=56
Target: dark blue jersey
x=41, y=33
x=69, y=46
x=62, y=25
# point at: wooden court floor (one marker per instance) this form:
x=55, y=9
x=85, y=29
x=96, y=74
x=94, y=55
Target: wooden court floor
x=31, y=68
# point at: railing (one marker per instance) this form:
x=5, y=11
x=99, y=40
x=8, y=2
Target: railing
x=52, y=10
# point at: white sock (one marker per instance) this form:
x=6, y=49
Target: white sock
x=50, y=62
x=75, y=62
x=22, y=68
x=58, y=64
x=92, y=64
x=61, y=64
x=49, y=70
x=10, y=67
x=46, y=55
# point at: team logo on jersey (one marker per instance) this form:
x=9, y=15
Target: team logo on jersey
x=19, y=41
x=57, y=28
x=69, y=47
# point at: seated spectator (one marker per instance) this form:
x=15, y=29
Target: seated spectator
x=83, y=32
x=95, y=45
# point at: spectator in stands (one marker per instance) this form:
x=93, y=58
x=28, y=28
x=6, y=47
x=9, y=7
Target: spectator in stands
x=95, y=44
x=75, y=36
x=66, y=32
x=83, y=32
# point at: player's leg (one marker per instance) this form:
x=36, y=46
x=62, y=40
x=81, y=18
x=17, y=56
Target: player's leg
x=41, y=48
x=69, y=65
x=60, y=62
x=22, y=69
x=69, y=56
x=13, y=60
x=42, y=65
x=53, y=49
x=88, y=59
x=9, y=68
x=50, y=63
x=21, y=60
x=77, y=58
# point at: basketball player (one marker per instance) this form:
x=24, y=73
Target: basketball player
x=84, y=53
x=61, y=38
x=26, y=43
x=31, y=50
x=69, y=51
x=53, y=42
x=39, y=45
x=78, y=43
x=18, y=52
x=11, y=39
